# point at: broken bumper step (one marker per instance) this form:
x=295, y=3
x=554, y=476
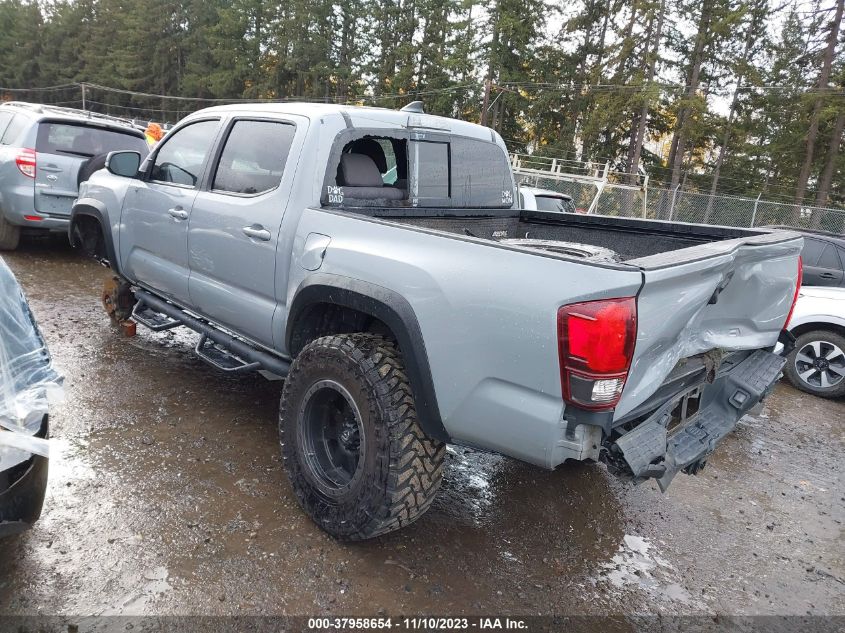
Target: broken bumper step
x=651, y=450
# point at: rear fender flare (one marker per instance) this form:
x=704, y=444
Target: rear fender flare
x=93, y=209
x=396, y=313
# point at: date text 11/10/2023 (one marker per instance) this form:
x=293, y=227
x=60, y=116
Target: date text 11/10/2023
x=419, y=623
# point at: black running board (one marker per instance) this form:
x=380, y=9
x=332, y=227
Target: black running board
x=221, y=358
x=216, y=347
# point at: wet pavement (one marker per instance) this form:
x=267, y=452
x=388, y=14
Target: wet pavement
x=167, y=496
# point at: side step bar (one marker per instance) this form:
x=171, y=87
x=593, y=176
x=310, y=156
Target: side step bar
x=221, y=350
x=156, y=321
x=222, y=358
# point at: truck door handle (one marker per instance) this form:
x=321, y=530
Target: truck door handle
x=179, y=213
x=257, y=232
x=827, y=276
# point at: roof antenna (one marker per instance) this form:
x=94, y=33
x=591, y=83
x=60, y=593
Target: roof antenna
x=415, y=106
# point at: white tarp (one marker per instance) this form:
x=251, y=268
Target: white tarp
x=28, y=381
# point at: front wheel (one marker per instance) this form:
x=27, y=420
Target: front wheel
x=817, y=364
x=359, y=463
x=10, y=234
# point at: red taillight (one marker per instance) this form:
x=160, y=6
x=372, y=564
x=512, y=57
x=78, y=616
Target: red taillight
x=797, y=290
x=33, y=218
x=25, y=160
x=596, y=344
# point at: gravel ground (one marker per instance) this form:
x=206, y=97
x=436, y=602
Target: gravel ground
x=167, y=496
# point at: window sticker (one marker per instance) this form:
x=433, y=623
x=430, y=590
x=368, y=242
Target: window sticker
x=335, y=194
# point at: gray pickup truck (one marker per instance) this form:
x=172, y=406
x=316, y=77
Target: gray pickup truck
x=376, y=260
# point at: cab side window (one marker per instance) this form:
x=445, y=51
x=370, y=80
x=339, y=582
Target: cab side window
x=253, y=159
x=181, y=158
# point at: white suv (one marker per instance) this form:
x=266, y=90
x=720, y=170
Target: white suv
x=817, y=364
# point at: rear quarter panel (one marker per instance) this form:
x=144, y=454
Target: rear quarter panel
x=488, y=318
x=17, y=192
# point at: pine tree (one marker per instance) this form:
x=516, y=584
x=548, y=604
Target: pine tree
x=21, y=31
x=824, y=76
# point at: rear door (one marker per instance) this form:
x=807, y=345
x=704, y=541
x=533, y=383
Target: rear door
x=154, y=219
x=62, y=147
x=235, y=223
x=822, y=265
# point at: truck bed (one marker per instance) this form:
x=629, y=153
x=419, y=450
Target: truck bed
x=647, y=241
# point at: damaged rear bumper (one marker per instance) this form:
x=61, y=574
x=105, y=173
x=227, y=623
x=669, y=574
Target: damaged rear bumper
x=653, y=449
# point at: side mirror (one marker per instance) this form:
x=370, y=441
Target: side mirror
x=123, y=163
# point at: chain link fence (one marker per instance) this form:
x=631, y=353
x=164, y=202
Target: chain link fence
x=607, y=198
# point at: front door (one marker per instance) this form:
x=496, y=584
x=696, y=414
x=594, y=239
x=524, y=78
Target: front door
x=235, y=223
x=154, y=231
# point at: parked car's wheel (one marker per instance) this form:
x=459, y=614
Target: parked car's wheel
x=359, y=462
x=817, y=364
x=10, y=235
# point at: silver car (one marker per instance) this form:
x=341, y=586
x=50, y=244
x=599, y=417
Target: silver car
x=42, y=149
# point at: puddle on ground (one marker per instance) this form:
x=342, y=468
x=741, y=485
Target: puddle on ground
x=637, y=564
x=146, y=588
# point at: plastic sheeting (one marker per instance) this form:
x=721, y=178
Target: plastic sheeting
x=28, y=381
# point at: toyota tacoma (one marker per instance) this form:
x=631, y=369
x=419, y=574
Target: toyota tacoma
x=376, y=259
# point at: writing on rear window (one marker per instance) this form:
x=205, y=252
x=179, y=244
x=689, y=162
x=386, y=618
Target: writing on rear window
x=335, y=194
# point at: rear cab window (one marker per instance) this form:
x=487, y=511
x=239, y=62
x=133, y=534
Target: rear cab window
x=85, y=141
x=416, y=169
x=431, y=170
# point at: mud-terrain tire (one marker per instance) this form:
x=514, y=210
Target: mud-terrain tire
x=829, y=346
x=359, y=463
x=10, y=235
